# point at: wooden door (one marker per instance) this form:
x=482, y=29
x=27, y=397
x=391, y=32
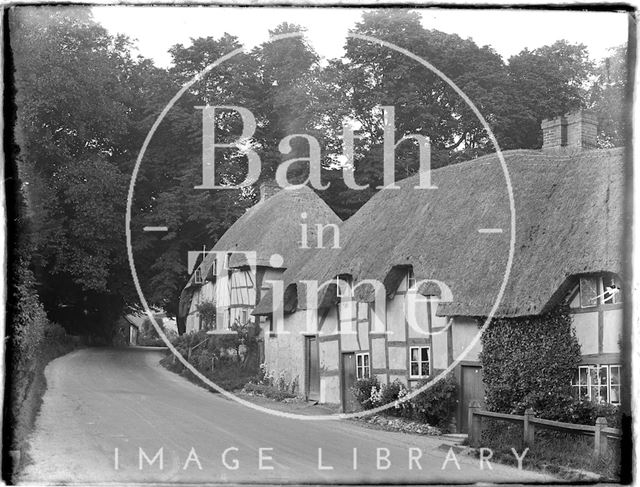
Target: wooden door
x=471, y=389
x=349, y=402
x=312, y=368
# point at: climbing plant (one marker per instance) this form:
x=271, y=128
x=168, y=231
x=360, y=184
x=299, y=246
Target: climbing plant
x=529, y=361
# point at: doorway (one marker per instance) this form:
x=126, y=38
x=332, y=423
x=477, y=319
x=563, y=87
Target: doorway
x=349, y=402
x=312, y=368
x=471, y=389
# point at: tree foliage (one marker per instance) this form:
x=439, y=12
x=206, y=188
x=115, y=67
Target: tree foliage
x=85, y=103
x=607, y=98
x=75, y=95
x=207, y=311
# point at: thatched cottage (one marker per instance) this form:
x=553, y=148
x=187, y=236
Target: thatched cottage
x=568, y=200
x=255, y=249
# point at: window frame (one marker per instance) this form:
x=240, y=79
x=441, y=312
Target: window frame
x=594, y=387
x=339, y=288
x=363, y=370
x=411, y=280
x=197, y=278
x=598, y=281
x=616, y=299
x=420, y=361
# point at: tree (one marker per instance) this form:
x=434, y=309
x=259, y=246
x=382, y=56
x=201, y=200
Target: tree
x=273, y=82
x=607, y=98
x=371, y=76
x=544, y=83
x=77, y=89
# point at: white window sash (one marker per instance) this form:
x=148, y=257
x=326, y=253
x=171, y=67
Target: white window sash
x=419, y=362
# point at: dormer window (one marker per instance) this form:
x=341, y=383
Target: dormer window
x=612, y=289
x=598, y=289
x=343, y=286
x=588, y=292
x=197, y=278
x=411, y=280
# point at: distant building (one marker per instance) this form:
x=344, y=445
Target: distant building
x=273, y=230
x=131, y=327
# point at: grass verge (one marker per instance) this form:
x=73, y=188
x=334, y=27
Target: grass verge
x=26, y=391
x=567, y=455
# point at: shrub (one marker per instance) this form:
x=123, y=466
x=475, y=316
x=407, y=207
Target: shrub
x=216, y=357
x=207, y=311
x=436, y=405
x=362, y=391
x=32, y=342
x=526, y=356
x=571, y=410
x=392, y=393
x=389, y=392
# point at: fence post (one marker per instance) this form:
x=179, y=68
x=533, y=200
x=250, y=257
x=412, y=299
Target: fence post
x=529, y=429
x=600, y=438
x=474, y=423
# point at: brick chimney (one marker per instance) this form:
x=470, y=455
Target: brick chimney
x=268, y=189
x=582, y=130
x=572, y=132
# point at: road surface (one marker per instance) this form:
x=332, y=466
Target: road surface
x=115, y=415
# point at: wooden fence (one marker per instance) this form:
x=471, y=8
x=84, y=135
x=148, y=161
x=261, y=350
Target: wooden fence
x=600, y=431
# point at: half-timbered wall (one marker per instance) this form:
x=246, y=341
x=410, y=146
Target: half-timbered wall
x=597, y=321
x=389, y=349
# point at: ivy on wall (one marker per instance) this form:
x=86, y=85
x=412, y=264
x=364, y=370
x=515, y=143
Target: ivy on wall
x=529, y=361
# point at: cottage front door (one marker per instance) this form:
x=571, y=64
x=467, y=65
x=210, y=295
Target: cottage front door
x=312, y=368
x=471, y=389
x=349, y=402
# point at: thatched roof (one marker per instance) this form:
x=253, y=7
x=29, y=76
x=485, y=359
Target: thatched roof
x=569, y=220
x=273, y=226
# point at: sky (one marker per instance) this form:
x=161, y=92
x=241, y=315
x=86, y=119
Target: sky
x=507, y=31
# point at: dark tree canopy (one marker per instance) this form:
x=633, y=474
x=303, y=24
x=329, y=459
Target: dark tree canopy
x=85, y=104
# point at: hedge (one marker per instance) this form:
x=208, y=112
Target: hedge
x=529, y=361
x=32, y=342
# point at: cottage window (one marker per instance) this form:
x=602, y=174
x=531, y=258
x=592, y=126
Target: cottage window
x=363, y=370
x=245, y=317
x=600, y=289
x=411, y=280
x=614, y=384
x=343, y=287
x=588, y=292
x=600, y=383
x=418, y=362
x=611, y=290
x=197, y=278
